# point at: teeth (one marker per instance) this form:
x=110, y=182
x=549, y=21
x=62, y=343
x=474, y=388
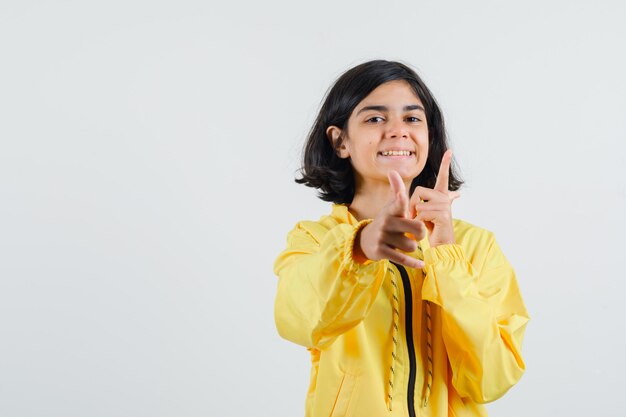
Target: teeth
x=396, y=153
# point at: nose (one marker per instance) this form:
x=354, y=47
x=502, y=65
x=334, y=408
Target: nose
x=396, y=129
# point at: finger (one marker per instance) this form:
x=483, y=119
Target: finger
x=421, y=194
x=395, y=180
x=454, y=195
x=399, y=205
x=398, y=225
x=401, y=258
x=415, y=198
x=444, y=169
x=401, y=242
x=432, y=206
x=434, y=216
x=429, y=194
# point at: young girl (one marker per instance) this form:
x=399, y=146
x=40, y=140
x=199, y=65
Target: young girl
x=405, y=310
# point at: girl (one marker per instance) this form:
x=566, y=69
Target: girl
x=404, y=310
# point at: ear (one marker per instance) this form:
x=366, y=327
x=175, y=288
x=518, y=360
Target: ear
x=337, y=141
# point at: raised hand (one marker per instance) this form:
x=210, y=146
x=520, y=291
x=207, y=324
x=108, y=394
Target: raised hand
x=435, y=211
x=387, y=236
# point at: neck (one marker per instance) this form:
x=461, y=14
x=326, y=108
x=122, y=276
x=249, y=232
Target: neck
x=370, y=198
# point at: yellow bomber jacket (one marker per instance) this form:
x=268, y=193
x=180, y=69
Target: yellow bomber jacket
x=388, y=340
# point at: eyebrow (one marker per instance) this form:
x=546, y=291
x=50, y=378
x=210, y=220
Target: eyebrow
x=385, y=108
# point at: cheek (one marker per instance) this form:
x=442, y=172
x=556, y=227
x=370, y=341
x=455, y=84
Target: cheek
x=424, y=139
x=423, y=146
x=424, y=133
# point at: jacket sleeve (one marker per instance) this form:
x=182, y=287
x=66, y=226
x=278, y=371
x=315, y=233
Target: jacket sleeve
x=483, y=317
x=322, y=291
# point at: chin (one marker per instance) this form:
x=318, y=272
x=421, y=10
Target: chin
x=408, y=175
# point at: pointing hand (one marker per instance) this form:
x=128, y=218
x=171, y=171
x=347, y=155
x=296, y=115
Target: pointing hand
x=388, y=236
x=435, y=211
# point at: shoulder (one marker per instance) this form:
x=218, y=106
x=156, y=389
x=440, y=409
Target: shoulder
x=317, y=229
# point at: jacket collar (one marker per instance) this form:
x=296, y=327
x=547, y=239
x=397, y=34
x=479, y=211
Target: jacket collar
x=342, y=214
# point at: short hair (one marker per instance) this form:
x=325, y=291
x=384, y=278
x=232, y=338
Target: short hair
x=333, y=176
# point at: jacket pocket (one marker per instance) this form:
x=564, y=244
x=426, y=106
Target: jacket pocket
x=344, y=396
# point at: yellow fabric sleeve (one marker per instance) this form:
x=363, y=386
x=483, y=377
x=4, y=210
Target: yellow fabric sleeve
x=483, y=318
x=322, y=291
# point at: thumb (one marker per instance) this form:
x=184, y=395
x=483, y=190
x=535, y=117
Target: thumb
x=399, y=205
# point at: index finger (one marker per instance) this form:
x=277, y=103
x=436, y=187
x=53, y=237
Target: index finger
x=444, y=172
x=399, y=203
x=395, y=180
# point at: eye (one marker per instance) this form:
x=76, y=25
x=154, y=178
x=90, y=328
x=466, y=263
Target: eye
x=413, y=119
x=375, y=119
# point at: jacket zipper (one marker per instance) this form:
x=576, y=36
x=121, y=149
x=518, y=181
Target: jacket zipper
x=408, y=304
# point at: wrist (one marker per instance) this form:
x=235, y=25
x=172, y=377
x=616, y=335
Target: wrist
x=435, y=244
x=441, y=237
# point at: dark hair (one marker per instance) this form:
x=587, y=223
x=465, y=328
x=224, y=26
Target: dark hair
x=334, y=176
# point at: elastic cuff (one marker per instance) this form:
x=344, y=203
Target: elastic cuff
x=447, y=252
x=349, y=252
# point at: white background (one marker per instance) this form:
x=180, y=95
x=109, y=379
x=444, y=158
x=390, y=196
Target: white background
x=147, y=157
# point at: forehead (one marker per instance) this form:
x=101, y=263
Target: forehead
x=397, y=93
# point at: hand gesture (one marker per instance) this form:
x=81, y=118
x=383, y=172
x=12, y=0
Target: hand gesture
x=392, y=231
x=435, y=211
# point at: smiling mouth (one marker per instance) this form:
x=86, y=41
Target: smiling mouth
x=396, y=153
